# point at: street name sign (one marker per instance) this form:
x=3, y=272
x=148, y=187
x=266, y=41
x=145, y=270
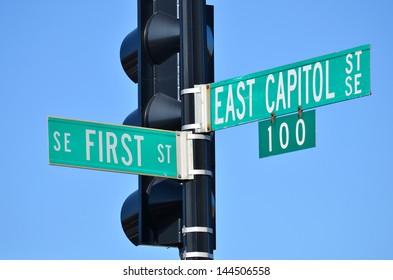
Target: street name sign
x=287, y=134
x=115, y=148
x=310, y=83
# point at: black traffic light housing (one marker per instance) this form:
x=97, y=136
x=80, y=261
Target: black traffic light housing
x=153, y=215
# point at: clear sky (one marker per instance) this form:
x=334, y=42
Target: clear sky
x=61, y=58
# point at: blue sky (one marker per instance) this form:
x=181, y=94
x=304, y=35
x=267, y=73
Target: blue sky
x=61, y=58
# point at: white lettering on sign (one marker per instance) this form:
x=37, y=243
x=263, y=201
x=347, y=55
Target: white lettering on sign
x=283, y=144
x=237, y=106
x=316, y=79
x=139, y=148
x=353, y=81
x=218, y=105
x=317, y=93
x=292, y=82
x=111, y=144
x=298, y=141
x=284, y=133
x=161, y=158
x=127, y=137
x=112, y=147
x=89, y=143
x=57, y=147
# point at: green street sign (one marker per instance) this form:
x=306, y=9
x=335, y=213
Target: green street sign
x=287, y=134
x=310, y=83
x=115, y=148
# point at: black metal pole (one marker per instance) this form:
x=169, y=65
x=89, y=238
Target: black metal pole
x=198, y=221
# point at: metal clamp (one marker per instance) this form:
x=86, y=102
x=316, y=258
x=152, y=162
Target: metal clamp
x=186, y=230
x=190, y=90
x=199, y=137
x=192, y=126
x=300, y=111
x=201, y=172
x=185, y=155
x=197, y=255
x=201, y=108
x=272, y=118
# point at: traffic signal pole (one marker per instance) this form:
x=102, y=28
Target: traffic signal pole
x=198, y=194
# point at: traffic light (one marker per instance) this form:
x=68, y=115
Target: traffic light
x=156, y=214
x=152, y=214
x=149, y=56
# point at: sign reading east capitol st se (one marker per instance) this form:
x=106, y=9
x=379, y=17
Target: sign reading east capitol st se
x=287, y=134
x=108, y=147
x=310, y=83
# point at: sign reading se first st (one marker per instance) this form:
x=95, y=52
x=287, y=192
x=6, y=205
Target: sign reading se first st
x=310, y=83
x=112, y=147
